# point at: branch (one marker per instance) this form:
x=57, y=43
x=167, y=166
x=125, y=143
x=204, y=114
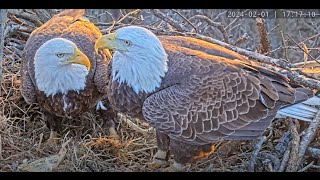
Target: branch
x=255, y=153
x=3, y=20
x=308, y=136
x=187, y=20
x=241, y=39
x=169, y=20
x=284, y=161
x=133, y=125
x=314, y=152
x=42, y=14
x=292, y=163
x=217, y=25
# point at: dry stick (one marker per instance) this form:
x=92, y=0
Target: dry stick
x=1, y=147
x=257, y=148
x=308, y=136
x=285, y=46
x=284, y=161
x=12, y=28
x=187, y=20
x=273, y=159
x=294, y=148
x=217, y=25
x=311, y=165
x=42, y=15
x=169, y=20
x=125, y=16
x=265, y=44
x=133, y=125
x=241, y=39
x=27, y=16
x=303, y=49
x=3, y=18
x=314, y=152
x=52, y=12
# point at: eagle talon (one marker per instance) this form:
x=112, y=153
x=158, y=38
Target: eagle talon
x=157, y=163
x=159, y=160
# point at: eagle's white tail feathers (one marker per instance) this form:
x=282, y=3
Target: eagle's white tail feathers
x=303, y=111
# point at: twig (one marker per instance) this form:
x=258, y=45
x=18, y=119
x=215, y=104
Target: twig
x=314, y=152
x=283, y=143
x=134, y=126
x=52, y=12
x=219, y=25
x=12, y=28
x=302, y=49
x=169, y=20
x=27, y=16
x=235, y=20
x=311, y=165
x=40, y=141
x=265, y=44
x=3, y=18
x=187, y=20
x=113, y=22
x=257, y=148
x=284, y=161
x=308, y=137
x=1, y=147
x=273, y=158
x=292, y=163
x=42, y=15
x=241, y=39
x=285, y=46
x=125, y=16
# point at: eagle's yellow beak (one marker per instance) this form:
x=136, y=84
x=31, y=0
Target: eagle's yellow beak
x=106, y=41
x=80, y=58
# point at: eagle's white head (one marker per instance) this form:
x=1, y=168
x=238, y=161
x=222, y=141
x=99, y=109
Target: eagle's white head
x=60, y=67
x=139, y=58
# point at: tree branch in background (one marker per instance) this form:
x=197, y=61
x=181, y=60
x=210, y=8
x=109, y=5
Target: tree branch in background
x=169, y=20
x=217, y=25
x=26, y=16
x=3, y=19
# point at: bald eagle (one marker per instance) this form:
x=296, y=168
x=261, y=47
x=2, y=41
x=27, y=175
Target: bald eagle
x=194, y=93
x=61, y=71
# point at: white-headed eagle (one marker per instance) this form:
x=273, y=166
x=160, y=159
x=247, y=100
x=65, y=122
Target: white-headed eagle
x=195, y=93
x=62, y=72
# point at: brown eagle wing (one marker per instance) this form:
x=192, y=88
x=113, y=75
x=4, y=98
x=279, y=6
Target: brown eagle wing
x=220, y=99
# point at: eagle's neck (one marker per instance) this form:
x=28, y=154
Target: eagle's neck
x=53, y=80
x=143, y=72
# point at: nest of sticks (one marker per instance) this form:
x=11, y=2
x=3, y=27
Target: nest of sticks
x=288, y=145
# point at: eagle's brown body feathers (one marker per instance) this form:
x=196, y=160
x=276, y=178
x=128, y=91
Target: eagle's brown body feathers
x=206, y=96
x=69, y=25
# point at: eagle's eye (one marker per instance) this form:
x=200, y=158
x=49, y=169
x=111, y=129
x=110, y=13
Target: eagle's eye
x=128, y=43
x=60, y=55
